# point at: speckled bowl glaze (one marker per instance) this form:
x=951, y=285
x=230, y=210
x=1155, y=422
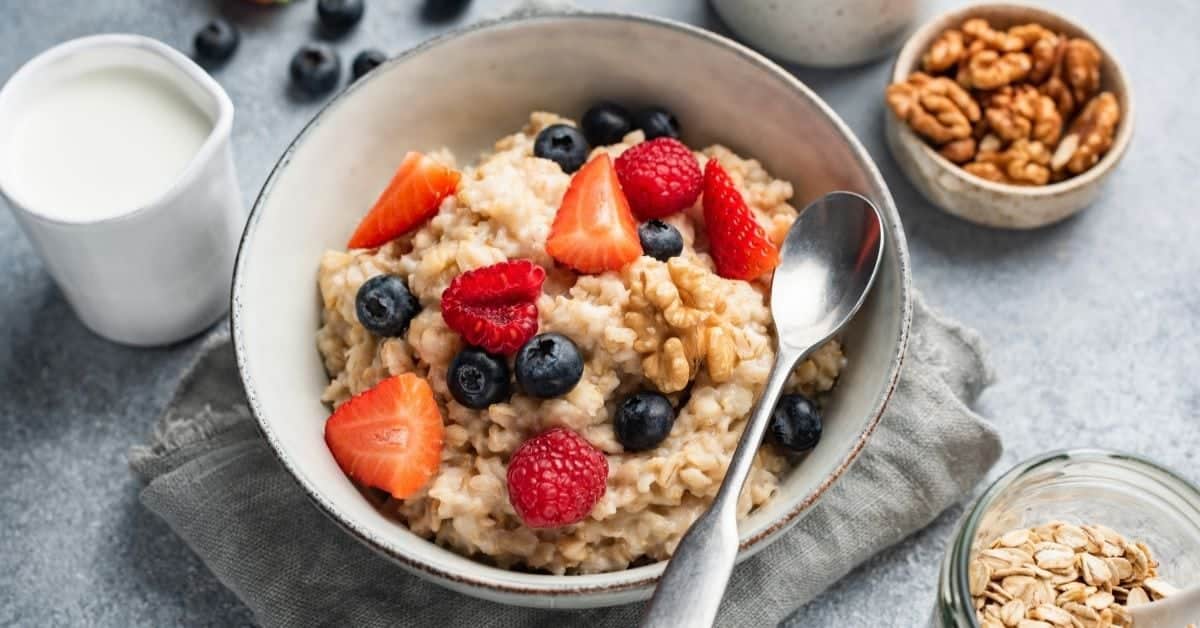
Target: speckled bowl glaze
x=503, y=70
x=820, y=33
x=986, y=202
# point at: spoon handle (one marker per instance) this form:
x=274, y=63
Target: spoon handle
x=690, y=590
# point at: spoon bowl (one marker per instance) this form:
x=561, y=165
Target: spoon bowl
x=827, y=265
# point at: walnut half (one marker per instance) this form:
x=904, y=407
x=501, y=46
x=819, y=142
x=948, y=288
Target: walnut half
x=989, y=69
x=945, y=52
x=1090, y=135
x=1022, y=163
x=937, y=108
x=1021, y=112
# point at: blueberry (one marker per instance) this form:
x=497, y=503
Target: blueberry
x=340, y=15
x=562, y=144
x=385, y=306
x=366, y=61
x=548, y=365
x=442, y=10
x=643, y=420
x=660, y=240
x=217, y=40
x=606, y=123
x=795, y=423
x=656, y=122
x=316, y=68
x=477, y=379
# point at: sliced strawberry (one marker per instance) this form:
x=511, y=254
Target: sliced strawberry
x=413, y=196
x=494, y=307
x=594, y=229
x=389, y=437
x=738, y=245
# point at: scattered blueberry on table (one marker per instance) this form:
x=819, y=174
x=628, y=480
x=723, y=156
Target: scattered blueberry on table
x=660, y=240
x=564, y=145
x=643, y=420
x=385, y=306
x=339, y=16
x=366, y=61
x=549, y=365
x=217, y=41
x=316, y=68
x=477, y=379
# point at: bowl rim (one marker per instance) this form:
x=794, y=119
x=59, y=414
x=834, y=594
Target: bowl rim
x=627, y=581
x=926, y=33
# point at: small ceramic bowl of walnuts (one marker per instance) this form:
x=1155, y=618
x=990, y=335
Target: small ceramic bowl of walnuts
x=1007, y=115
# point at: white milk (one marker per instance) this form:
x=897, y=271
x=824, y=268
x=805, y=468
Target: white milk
x=102, y=143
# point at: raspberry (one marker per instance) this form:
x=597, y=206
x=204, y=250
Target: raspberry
x=659, y=177
x=494, y=307
x=739, y=247
x=555, y=478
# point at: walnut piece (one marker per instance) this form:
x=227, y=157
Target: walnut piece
x=1055, y=86
x=669, y=368
x=1021, y=112
x=959, y=151
x=945, y=52
x=1046, y=53
x=1024, y=162
x=989, y=69
x=1030, y=34
x=937, y=108
x=978, y=30
x=1090, y=135
x=1081, y=64
x=675, y=310
x=986, y=170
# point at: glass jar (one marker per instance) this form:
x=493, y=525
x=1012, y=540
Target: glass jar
x=1129, y=494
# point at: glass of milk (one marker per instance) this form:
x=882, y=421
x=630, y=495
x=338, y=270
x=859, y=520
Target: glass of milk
x=115, y=159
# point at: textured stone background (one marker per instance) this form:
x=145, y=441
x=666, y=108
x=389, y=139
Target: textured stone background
x=1092, y=323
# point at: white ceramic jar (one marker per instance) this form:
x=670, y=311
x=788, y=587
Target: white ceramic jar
x=159, y=270
x=821, y=33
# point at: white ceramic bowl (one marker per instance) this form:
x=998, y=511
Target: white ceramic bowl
x=464, y=91
x=986, y=202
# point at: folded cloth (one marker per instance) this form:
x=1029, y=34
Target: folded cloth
x=214, y=480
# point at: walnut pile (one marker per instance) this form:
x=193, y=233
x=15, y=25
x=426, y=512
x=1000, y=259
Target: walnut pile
x=1062, y=574
x=1021, y=106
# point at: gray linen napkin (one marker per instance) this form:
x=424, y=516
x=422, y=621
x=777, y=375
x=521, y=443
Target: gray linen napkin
x=214, y=480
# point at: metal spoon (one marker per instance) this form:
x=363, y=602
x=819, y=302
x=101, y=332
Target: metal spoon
x=1180, y=609
x=828, y=263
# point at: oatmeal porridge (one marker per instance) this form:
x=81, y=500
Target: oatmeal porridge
x=647, y=355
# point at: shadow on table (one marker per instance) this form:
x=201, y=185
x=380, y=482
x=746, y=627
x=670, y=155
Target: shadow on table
x=160, y=567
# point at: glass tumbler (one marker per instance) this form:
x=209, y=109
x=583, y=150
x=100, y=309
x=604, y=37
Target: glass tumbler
x=1127, y=493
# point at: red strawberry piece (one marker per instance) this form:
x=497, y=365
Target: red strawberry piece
x=594, y=230
x=659, y=177
x=413, y=196
x=389, y=437
x=494, y=307
x=738, y=245
x=555, y=478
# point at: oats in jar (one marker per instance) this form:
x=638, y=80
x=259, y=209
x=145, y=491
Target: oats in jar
x=1063, y=574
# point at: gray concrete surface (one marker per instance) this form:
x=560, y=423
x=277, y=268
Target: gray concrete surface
x=1093, y=324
